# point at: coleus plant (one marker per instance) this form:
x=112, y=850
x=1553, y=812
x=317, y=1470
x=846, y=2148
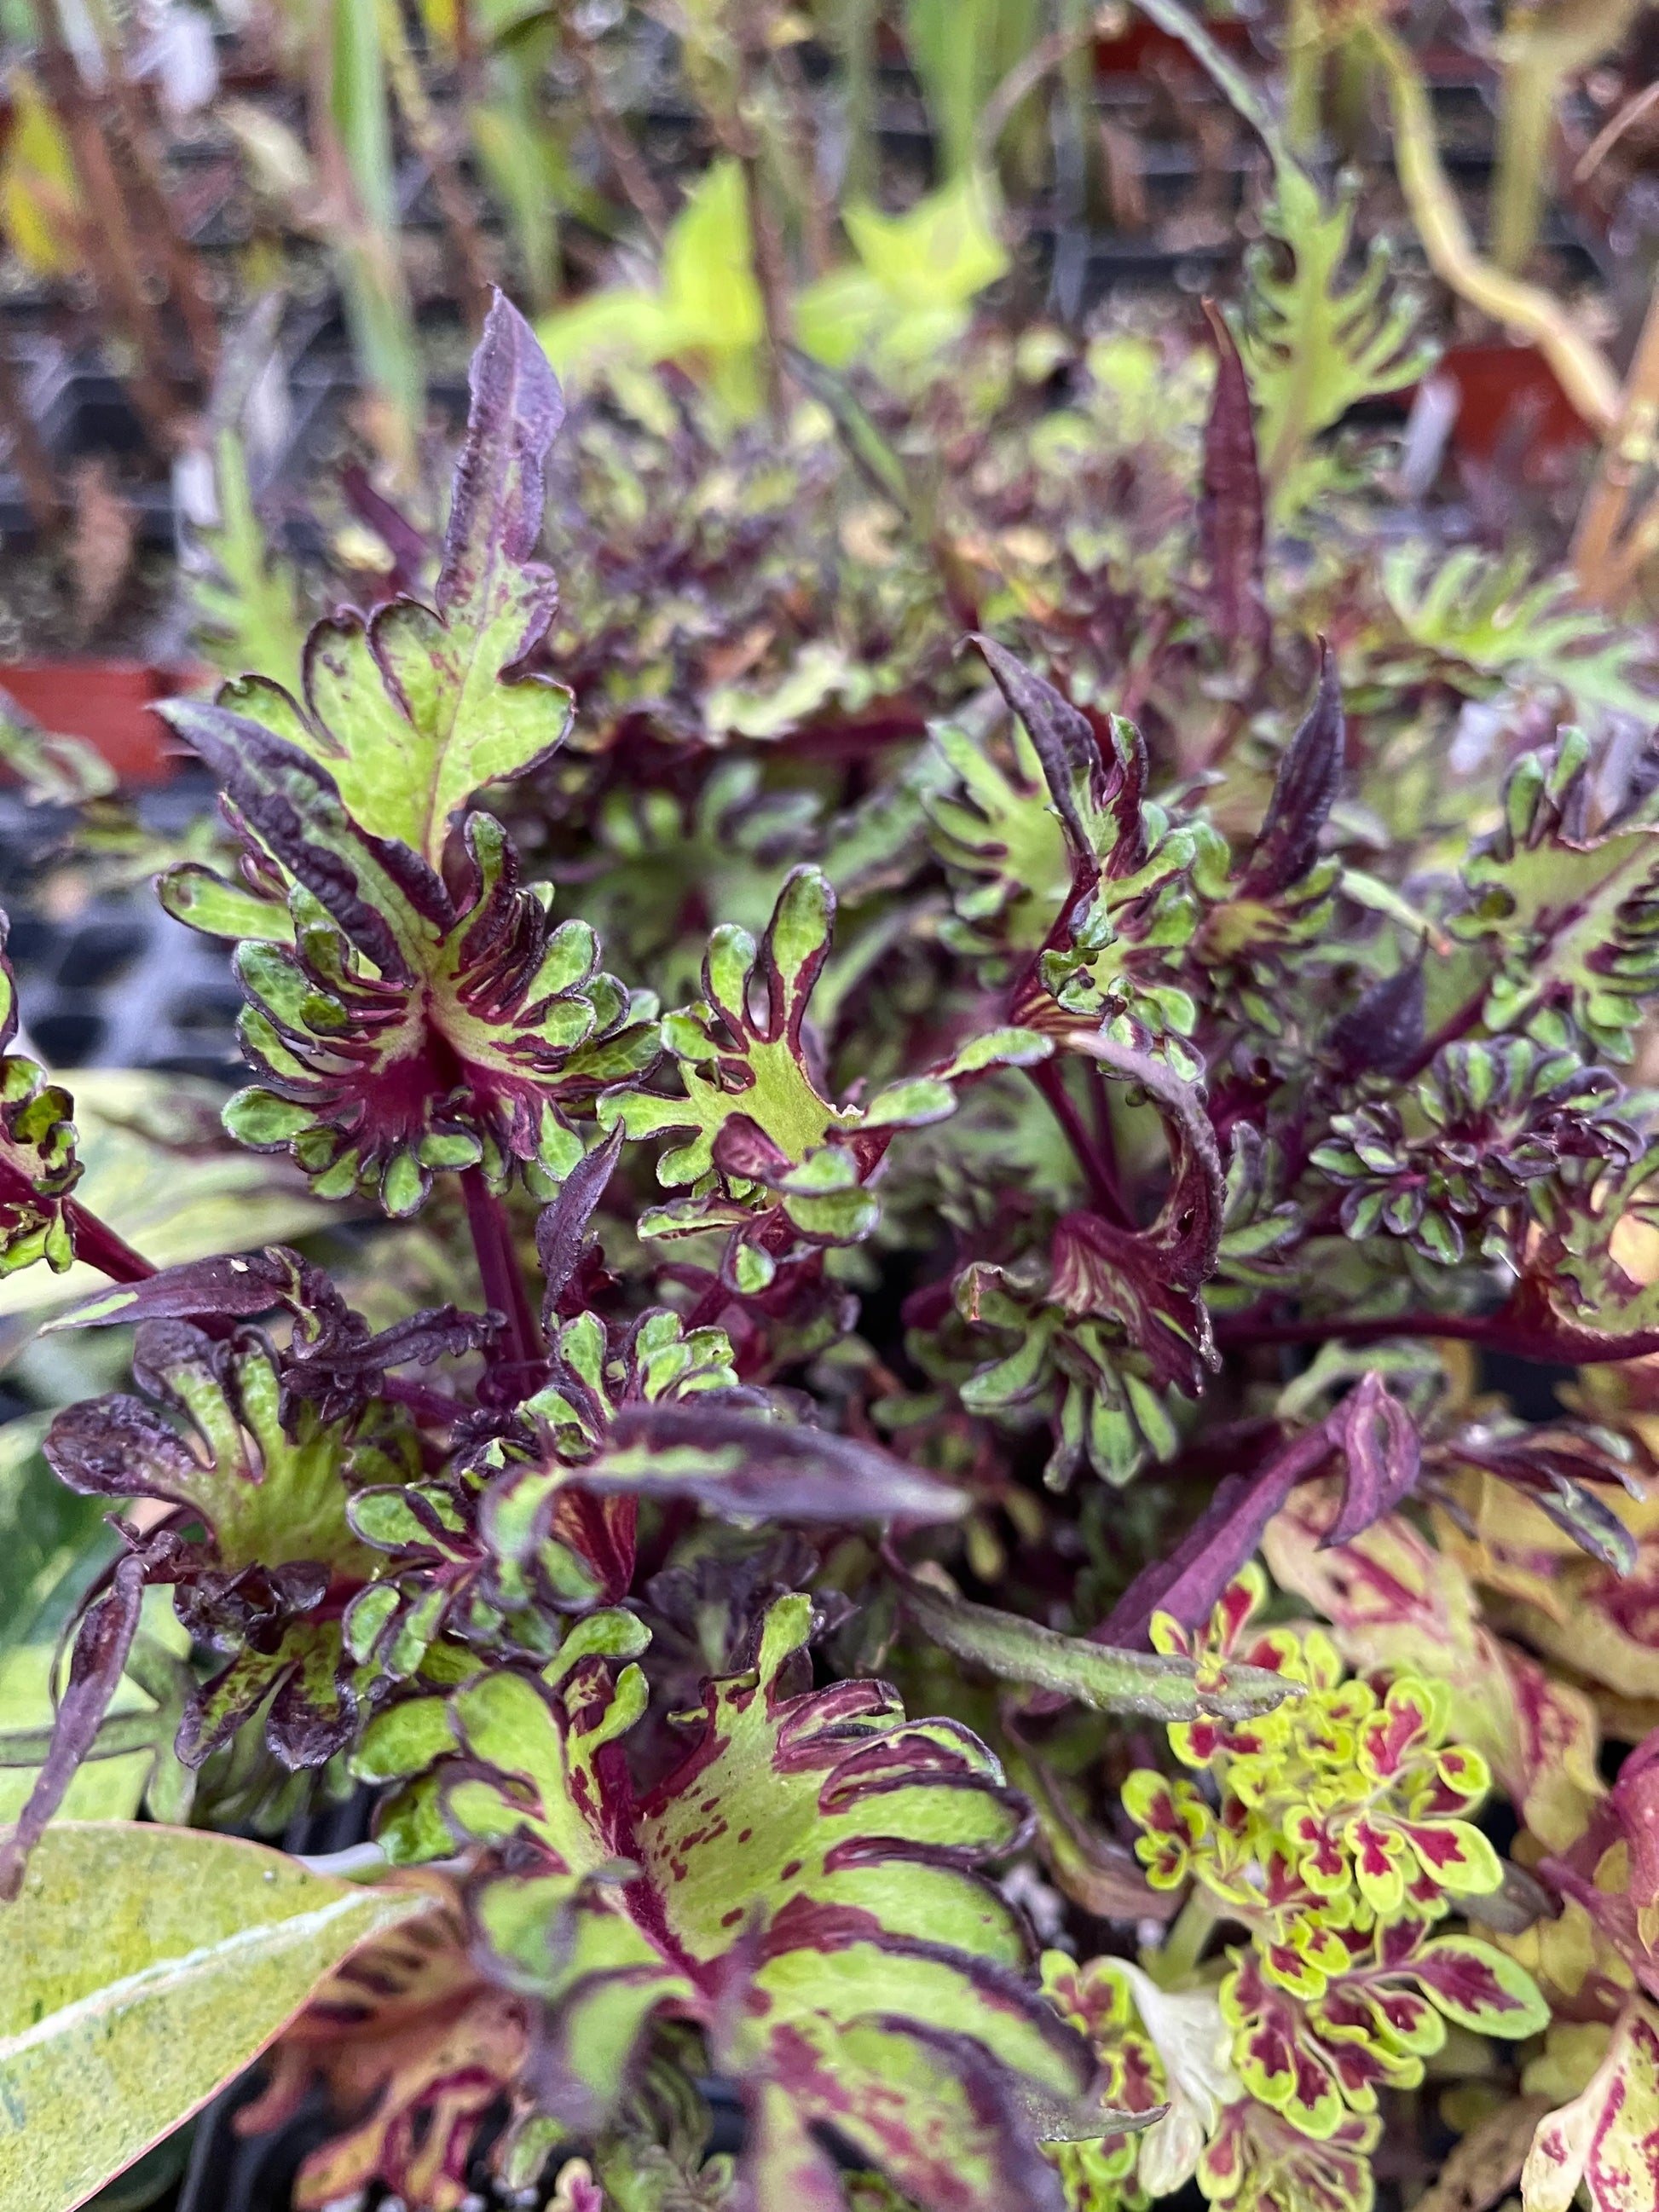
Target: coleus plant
x=870, y=1365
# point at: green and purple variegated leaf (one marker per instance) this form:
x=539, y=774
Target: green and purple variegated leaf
x=414, y=710
x=39, y=1164
x=792, y=1167
x=815, y=1852
x=411, y=1027
x=1561, y=923
x=257, y=1547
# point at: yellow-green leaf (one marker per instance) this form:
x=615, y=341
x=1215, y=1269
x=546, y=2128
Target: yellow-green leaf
x=146, y=1965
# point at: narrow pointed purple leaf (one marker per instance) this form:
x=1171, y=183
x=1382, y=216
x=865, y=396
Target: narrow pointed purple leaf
x=101, y=1645
x=1231, y=516
x=1303, y=794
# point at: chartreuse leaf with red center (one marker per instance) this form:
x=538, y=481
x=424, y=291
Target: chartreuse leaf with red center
x=416, y=709
x=1340, y=1832
x=146, y=1965
x=1257, y=2161
x=805, y=1885
x=764, y=1152
x=38, y=1164
x=1605, y=2144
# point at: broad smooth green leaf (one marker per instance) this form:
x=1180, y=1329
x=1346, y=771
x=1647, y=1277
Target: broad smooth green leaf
x=146, y=1965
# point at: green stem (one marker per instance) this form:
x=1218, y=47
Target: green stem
x=1305, y=75
x=1177, y=1959
x=1581, y=370
x=1526, y=125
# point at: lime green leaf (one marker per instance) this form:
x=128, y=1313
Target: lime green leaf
x=146, y=1965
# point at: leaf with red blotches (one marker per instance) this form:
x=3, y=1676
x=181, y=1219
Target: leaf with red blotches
x=1396, y=1602
x=1232, y=527
x=1605, y=2141
x=804, y=1885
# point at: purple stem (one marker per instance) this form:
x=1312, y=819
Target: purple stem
x=97, y=1243
x=1102, y=1185
x=1505, y=1331
x=499, y=1270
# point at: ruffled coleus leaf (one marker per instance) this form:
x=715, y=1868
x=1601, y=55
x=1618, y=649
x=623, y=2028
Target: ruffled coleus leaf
x=1069, y=885
x=1606, y=2143
x=1259, y=2158
x=1472, y=1155
x=257, y=1545
x=39, y=1164
x=1121, y=1322
x=1396, y=1602
x=418, y=1021
x=538, y=1519
x=765, y=1155
x=414, y=710
x=333, y=1357
x=1561, y=921
x=1159, y=2050
x=1378, y=2008
x=805, y=1885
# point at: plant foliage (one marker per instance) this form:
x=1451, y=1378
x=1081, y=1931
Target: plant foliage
x=875, y=1191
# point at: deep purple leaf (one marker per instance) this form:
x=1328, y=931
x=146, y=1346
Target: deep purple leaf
x=1382, y=1032
x=1231, y=517
x=1188, y=1582
x=743, y=1148
x=495, y=513
x=119, y=1447
x=732, y=1463
x=1378, y=1438
x=1065, y=744
x=101, y=1645
x=561, y=1227
x=408, y=545
x=1304, y=791
x=237, y=1288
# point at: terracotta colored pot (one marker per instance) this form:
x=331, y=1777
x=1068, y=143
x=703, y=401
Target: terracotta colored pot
x=1510, y=405
x=108, y=702
x=1141, y=42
